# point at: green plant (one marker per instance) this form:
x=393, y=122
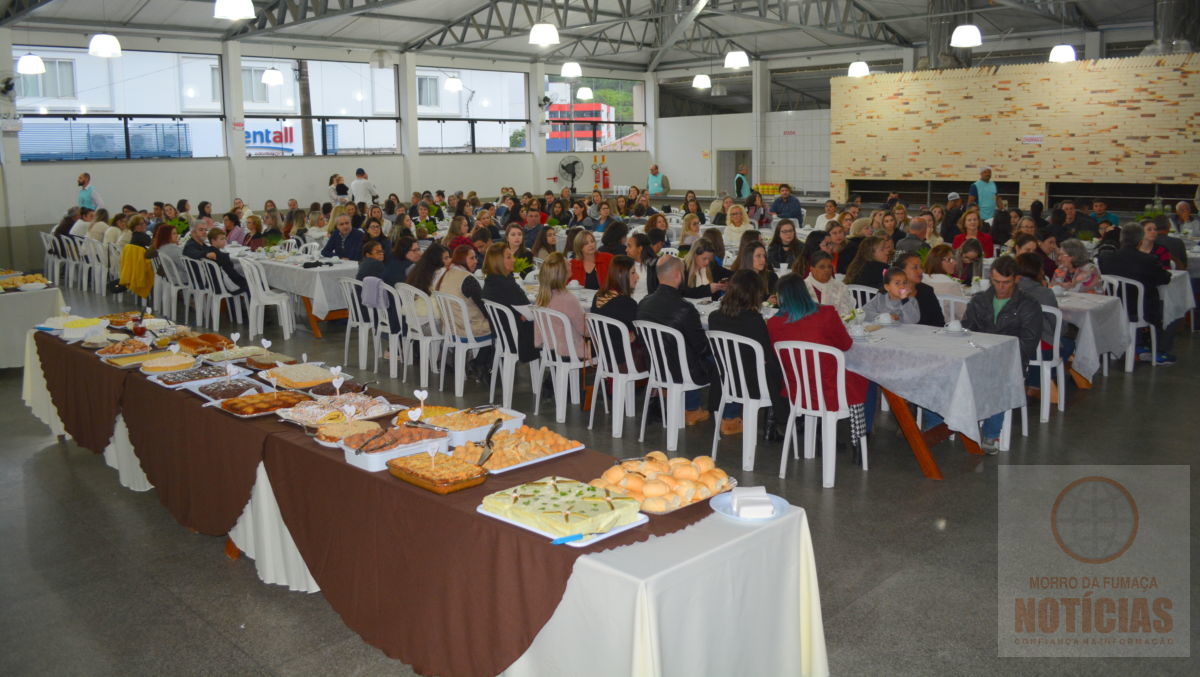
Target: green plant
x=522, y=265
x=1151, y=214
x=179, y=225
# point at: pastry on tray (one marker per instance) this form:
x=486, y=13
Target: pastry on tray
x=130, y=346
x=189, y=375
x=373, y=442
x=223, y=390
x=438, y=473
x=336, y=432
x=267, y=360
x=261, y=403
x=462, y=420
x=300, y=375
x=348, y=386
x=427, y=412
x=235, y=354
x=510, y=447
x=169, y=362
x=133, y=360
x=562, y=507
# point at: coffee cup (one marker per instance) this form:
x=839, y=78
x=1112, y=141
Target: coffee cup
x=954, y=325
x=883, y=318
x=857, y=331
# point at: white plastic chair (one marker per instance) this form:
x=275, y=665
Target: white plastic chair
x=198, y=286
x=114, y=265
x=1132, y=293
x=421, y=327
x=614, y=360
x=802, y=362
x=287, y=245
x=508, y=352
x=221, y=289
x=74, y=264
x=51, y=259
x=261, y=296
x=1054, y=362
x=737, y=376
x=953, y=307
x=95, y=254
x=383, y=327
x=665, y=345
x=861, y=293
x=311, y=248
x=360, y=317
x=456, y=338
x=562, y=361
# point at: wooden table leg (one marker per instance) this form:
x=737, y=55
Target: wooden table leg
x=231, y=550
x=971, y=445
x=314, y=322
x=916, y=441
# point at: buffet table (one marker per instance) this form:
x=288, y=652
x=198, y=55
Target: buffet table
x=22, y=310
x=379, y=549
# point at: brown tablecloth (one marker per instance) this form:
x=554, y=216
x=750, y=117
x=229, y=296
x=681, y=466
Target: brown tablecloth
x=86, y=392
x=424, y=577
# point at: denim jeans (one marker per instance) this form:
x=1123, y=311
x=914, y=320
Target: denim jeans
x=991, y=425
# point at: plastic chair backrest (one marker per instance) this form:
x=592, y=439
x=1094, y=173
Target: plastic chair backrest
x=287, y=245
x=256, y=278
x=504, y=326
x=1131, y=292
x=417, y=324
x=220, y=283
x=801, y=361
x=1058, y=320
x=664, y=344
x=456, y=319
x=382, y=320
x=548, y=323
x=862, y=294
x=197, y=276
x=731, y=351
x=169, y=271
x=611, y=344
x=351, y=294
x=311, y=248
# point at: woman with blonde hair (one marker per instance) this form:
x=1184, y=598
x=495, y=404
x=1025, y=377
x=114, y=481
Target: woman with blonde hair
x=589, y=267
x=970, y=227
x=553, y=294
x=901, y=213
x=736, y=222
x=703, y=276
x=458, y=280
x=254, y=232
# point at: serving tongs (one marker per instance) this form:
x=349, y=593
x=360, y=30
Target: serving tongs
x=487, y=443
x=426, y=426
x=483, y=408
x=359, y=449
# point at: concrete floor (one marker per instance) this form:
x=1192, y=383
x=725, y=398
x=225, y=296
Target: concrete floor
x=99, y=580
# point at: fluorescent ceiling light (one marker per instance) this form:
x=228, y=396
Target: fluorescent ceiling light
x=966, y=35
x=584, y=94
x=272, y=77
x=543, y=35
x=859, y=69
x=233, y=10
x=31, y=64
x=571, y=69
x=701, y=81
x=737, y=59
x=1062, y=54
x=454, y=84
x=104, y=46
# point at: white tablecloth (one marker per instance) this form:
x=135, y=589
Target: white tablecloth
x=1103, y=328
x=20, y=310
x=319, y=284
x=1177, y=298
x=944, y=373
x=717, y=598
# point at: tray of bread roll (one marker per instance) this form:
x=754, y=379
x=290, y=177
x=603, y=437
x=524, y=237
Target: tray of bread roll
x=664, y=485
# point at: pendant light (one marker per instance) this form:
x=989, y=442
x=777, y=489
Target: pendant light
x=31, y=64
x=272, y=77
x=454, y=84
x=966, y=35
x=859, y=69
x=737, y=59
x=233, y=10
x=105, y=46
x=543, y=35
x=571, y=69
x=1062, y=54
x=584, y=94
x=701, y=81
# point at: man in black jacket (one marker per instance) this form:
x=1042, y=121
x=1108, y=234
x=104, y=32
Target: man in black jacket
x=1130, y=262
x=667, y=307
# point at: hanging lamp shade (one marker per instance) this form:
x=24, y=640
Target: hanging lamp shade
x=584, y=94
x=31, y=64
x=737, y=59
x=272, y=77
x=571, y=69
x=859, y=69
x=105, y=46
x=543, y=35
x=233, y=10
x=454, y=84
x=1062, y=54
x=966, y=35
x=701, y=81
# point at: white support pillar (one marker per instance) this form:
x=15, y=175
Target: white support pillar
x=535, y=136
x=1093, y=45
x=408, y=141
x=650, y=96
x=11, y=194
x=760, y=94
x=235, y=123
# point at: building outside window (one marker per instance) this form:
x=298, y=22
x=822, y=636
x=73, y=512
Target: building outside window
x=58, y=82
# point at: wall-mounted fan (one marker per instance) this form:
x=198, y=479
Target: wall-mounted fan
x=570, y=168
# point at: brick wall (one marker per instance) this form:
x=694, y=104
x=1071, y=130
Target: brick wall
x=1133, y=120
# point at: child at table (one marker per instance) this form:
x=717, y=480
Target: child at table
x=895, y=299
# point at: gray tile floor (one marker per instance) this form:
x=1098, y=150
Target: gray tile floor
x=99, y=580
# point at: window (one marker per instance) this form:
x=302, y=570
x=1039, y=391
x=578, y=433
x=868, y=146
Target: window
x=612, y=120
x=253, y=89
x=427, y=91
x=216, y=84
x=58, y=82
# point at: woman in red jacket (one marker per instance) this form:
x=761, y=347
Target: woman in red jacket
x=589, y=267
x=970, y=224
x=800, y=318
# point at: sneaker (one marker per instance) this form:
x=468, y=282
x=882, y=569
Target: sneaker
x=990, y=445
x=1164, y=360
x=1143, y=354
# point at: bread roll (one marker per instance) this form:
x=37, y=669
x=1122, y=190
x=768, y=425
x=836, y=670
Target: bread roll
x=673, y=501
x=613, y=475
x=669, y=481
x=633, y=482
x=655, y=488
x=657, y=467
x=657, y=456
x=631, y=466
x=677, y=461
x=685, y=471
x=704, y=463
x=703, y=492
x=655, y=504
x=635, y=495
x=710, y=480
x=686, y=490
x=600, y=483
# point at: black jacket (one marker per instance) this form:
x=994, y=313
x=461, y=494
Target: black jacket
x=503, y=289
x=667, y=306
x=716, y=273
x=1137, y=265
x=870, y=275
x=1020, y=317
x=750, y=324
x=931, y=309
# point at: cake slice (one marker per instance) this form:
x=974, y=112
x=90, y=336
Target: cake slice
x=561, y=507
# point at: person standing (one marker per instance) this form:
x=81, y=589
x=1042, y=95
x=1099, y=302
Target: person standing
x=657, y=184
x=954, y=212
x=741, y=184
x=985, y=193
x=88, y=195
x=361, y=188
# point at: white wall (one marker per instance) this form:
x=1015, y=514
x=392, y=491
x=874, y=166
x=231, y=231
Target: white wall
x=684, y=142
x=797, y=149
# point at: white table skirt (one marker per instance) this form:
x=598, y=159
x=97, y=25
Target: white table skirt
x=318, y=284
x=1177, y=298
x=944, y=373
x=1103, y=328
x=34, y=393
x=21, y=310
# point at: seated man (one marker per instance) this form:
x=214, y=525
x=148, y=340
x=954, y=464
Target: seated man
x=1130, y=262
x=346, y=241
x=197, y=245
x=1002, y=309
x=1184, y=221
x=667, y=307
x=918, y=230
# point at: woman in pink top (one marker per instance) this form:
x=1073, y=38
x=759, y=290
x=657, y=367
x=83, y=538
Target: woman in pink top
x=553, y=294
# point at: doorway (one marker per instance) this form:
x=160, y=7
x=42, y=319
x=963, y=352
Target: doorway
x=727, y=163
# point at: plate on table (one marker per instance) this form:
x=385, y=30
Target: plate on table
x=33, y=286
x=581, y=543
x=722, y=504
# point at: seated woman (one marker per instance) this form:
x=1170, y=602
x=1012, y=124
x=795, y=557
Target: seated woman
x=968, y=263
x=254, y=238
x=689, y=231
x=753, y=257
x=612, y=240
x=499, y=286
x=737, y=222
x=137, y=231
x=740, y=313
x=637, y=247
x=870, y=262
x=971, y=226
x=166, y=245
x=720, y=215
x=785, y=246
x=427, y=271
x=939, y=269
x=800, y=318
x=615, y=301
x=691, y=206
x=458, y=280
x=374, y=232
x=825, y=288
x=1031, y=281
x=836, y=244
x=405, y=253
x=232, y=224
x=372, y=265
x=818, y=240
x=514, y=237
x=657, y=222
x=858, y=231
x=703, y=277
x=457, y=234
x=717, y=241
x=757, y=211
x=1076, y=272
x=926, y=298
x=894, y=299
x=1151, y=246
x=545, y=244
x=1024, y=225
x=553, y=294
x=589, y=265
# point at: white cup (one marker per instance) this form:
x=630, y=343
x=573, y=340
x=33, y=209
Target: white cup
x=1058, y=291
x=857, y=331
x=954, y=325
x=883, y=318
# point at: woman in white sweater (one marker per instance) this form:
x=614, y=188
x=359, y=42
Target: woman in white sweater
x=824, y=288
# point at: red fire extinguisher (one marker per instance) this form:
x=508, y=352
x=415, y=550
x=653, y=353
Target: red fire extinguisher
x=596, y=171
x=604, y=164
